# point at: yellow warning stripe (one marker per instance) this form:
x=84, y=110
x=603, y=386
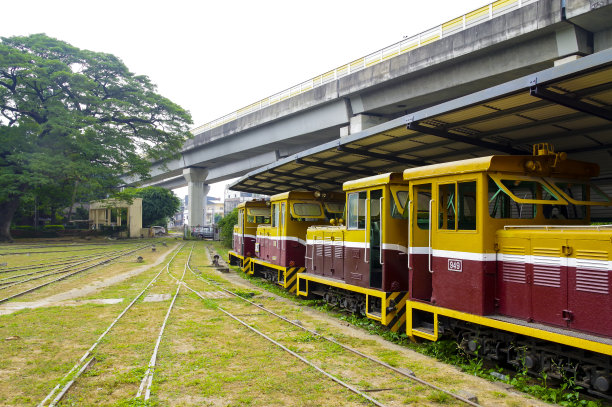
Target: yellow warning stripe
x=573, y=341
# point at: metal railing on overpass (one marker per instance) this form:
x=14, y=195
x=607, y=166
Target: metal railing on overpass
x=467, y=20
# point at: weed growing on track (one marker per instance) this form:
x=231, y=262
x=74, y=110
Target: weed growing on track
x=566, y=394
x=48, y=343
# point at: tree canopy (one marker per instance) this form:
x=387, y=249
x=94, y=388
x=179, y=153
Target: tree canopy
x=158, y=204
x=72, y=117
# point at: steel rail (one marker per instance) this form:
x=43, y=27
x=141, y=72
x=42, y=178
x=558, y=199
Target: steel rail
x=148, y=377
x=309, y=363
x=93, y=347
x=346, y=347
x=68, y=275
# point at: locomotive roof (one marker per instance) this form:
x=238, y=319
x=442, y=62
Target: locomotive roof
x=331, y=196
x=382, y=179
x=516, y=164
x=252, y=204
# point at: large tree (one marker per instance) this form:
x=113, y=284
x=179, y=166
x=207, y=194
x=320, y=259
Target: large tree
x=72, y=117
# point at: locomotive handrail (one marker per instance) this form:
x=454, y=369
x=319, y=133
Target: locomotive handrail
x=430, y=249
x=558, y=227
x=409, y=208
x=468, y=20
x=365, y=231
x=380, y=231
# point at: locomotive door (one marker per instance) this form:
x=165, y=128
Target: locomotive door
x=375, y=233
x=357, y=253
x=242, y=222
x=240, y=237
x=419, y=241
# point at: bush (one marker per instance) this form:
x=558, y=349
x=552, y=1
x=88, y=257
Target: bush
x=227, y=227
x=24, y=227
x=49, y=228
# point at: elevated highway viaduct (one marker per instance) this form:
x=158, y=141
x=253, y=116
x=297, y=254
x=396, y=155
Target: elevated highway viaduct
x=493, y=45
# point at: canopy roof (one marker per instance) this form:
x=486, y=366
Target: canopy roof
x=569, y=106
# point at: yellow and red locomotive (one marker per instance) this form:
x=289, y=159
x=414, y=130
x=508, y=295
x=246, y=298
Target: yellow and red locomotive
x=280, y=246
x=497, y=252
x=250, y=215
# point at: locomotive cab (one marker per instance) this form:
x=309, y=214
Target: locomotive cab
x=280, y=246
x=362, y=265
x=250, y=215
x=503, y=258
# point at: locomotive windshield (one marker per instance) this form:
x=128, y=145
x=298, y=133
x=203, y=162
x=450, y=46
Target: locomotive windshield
x=513, y=197
x=307, y=211
x=580, y=192
x=258, y=215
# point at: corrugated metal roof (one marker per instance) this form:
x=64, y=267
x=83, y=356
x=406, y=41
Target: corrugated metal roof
x=569, y=106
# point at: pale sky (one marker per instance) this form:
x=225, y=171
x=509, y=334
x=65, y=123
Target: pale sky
x=213, y=58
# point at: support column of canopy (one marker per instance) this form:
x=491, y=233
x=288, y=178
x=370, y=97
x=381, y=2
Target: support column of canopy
x=197, y=190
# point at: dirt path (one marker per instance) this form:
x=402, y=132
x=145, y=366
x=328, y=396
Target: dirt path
x=64, y=298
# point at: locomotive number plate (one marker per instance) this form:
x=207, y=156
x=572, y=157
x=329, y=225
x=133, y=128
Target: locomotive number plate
x=256, y=247
x=455, y=265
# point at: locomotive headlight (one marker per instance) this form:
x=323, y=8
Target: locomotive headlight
x=317, y=194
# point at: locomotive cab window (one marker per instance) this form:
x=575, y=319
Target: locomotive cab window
x=333, y=210
x=581, y=195
x=517, y=197
x=399, y=203
x=457, y=206
x=356, y=210
x=275, y=215
x=581, y=192
x=422, y=195
x=282, y=215
x=258, y=215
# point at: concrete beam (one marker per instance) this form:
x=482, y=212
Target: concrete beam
x=510, y=46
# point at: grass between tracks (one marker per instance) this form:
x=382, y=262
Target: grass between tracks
x=205, y=358
x=566, y=393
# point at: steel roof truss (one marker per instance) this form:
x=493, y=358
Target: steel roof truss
x=378, y=156
x=351, y=170
x=464, y=139
x=572, y=103
x=312, y=179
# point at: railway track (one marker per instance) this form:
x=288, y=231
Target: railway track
x=38, y=265
x=374, y=376
x=9, y=250
x=52, y=268
x=67, y=271
x=56, y=395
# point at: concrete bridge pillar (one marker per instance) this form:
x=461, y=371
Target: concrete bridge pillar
x=197, y=191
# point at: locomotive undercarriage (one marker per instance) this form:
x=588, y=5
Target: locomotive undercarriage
x=269, y=274
x=348, y=300
x=588, y=369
